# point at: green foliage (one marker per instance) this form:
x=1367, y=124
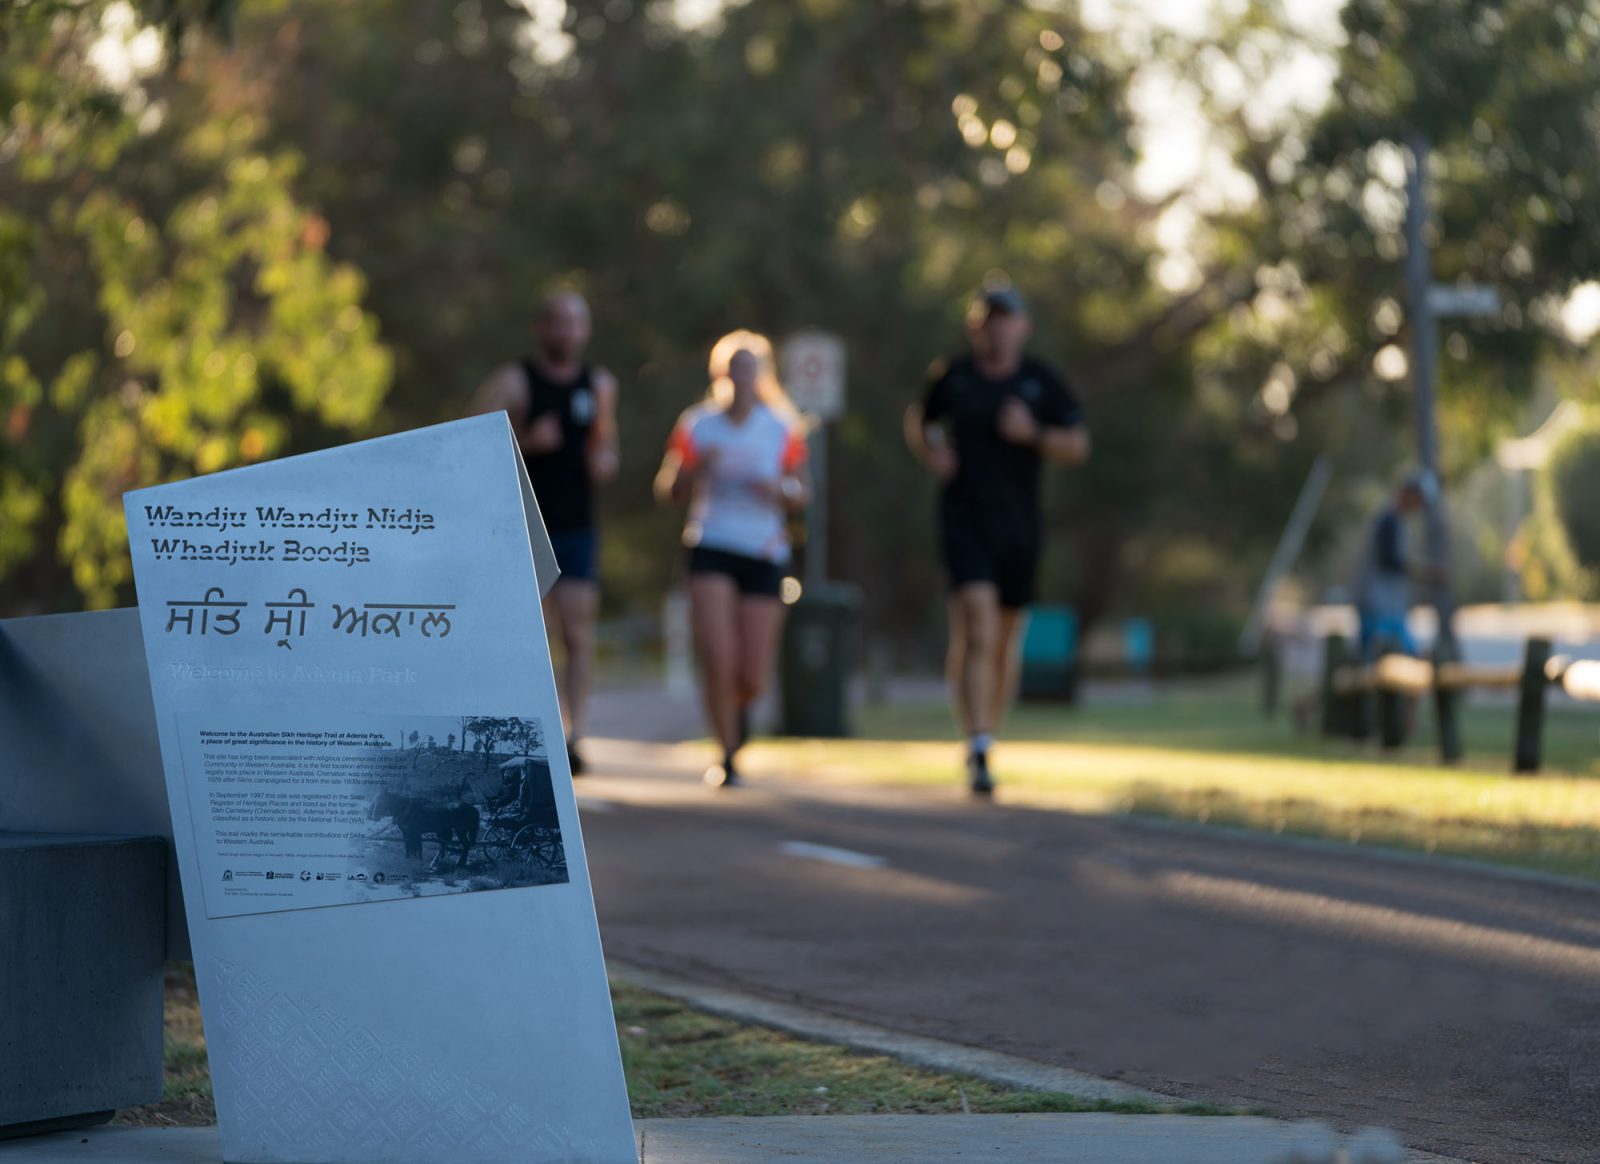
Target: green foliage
x=1200, y=637
x=1575, y=488
x=1543, y=554
x=857, y=167
x=1501, y=90
x=176, y=307
x=1505, y=90
x=166, y=308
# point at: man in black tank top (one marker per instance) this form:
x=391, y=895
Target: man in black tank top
x=564, y=412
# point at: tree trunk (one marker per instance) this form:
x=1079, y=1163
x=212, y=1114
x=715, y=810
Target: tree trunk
x=1100, y=546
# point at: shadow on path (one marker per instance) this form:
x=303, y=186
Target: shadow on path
x=1459, y=1008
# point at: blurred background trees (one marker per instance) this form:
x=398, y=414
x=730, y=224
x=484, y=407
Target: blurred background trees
x=1503, y=93
x=330, y=219
x=1574, y=488
x=167, y=306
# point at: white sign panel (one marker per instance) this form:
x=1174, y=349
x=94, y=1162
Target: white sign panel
x=813, y=369
x=392, y=925
x=1463, y=299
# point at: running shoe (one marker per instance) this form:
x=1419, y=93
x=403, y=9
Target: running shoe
x=980, y=781
x=722, y=775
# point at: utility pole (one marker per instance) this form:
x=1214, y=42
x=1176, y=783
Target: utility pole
x=813, y=367
x=1424, y=368
x=1424, y=371
x=817, y=515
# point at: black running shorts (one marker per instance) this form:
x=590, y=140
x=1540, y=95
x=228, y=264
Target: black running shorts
x=1003, y=553
x=754, y=577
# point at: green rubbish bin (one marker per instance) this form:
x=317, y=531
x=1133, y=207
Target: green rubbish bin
x=818, y=658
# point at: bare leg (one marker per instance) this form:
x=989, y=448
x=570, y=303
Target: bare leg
x=975, y=660
x=955, y=667
x=1008, y=664
x=760, y=623
x=713, y=610
x=552, y=629
x=574, y=602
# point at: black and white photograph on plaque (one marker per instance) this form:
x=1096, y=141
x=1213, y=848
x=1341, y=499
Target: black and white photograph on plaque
x=468, y=804
x=371, y=808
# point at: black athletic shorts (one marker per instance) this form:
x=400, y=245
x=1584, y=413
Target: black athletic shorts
x=577, y=553
x=1004, y=553
x=755, y=577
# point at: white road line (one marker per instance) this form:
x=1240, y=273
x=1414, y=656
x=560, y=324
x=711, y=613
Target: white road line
x=832, y=855
x=593, y=804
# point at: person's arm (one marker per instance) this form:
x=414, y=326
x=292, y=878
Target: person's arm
x=1069, y=445
x=1057, y=431
x=673, y=479
x=798, y=489
x=925, y=434
x=791, y=489
x=680, y=467
x=506, y=390
x=795, y=485
x=603, y=456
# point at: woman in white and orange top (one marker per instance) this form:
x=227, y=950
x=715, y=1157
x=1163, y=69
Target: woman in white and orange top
x=739, y=460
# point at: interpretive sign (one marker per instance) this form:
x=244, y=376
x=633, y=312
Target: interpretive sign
x=391, y=919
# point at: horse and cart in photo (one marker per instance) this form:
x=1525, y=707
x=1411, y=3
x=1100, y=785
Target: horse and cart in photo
x=419, y=819
x=521, y=822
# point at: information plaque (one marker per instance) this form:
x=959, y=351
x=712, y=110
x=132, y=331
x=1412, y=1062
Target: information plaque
x=393, y=931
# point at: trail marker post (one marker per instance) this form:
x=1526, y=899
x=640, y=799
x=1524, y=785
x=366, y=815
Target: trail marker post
x=812, y=365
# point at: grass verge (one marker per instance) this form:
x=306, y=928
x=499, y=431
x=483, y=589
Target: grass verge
x=682, y=1062
x=186, y=1088
x=1207, y=754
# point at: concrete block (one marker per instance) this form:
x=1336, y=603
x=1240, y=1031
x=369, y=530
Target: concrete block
x=82, y=921
x=79, y=751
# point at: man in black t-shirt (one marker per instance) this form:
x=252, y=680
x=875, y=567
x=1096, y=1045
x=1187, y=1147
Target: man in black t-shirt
x=564, y=412
x=987, y=422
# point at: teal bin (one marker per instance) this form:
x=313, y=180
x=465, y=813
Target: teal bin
x=1050, y=655
x=1138, y=645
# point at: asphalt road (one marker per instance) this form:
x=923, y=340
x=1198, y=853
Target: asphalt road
x=1461, y=1010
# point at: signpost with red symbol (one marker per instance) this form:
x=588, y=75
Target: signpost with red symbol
x=812, y=366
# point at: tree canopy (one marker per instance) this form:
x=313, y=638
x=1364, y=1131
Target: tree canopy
x=337, y=219
x=167, y=306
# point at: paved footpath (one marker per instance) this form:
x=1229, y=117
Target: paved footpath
x=1460, y=1009
x=1016, y=1139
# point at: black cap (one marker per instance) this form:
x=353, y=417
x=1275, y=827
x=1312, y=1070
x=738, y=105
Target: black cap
x=1002, y=298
